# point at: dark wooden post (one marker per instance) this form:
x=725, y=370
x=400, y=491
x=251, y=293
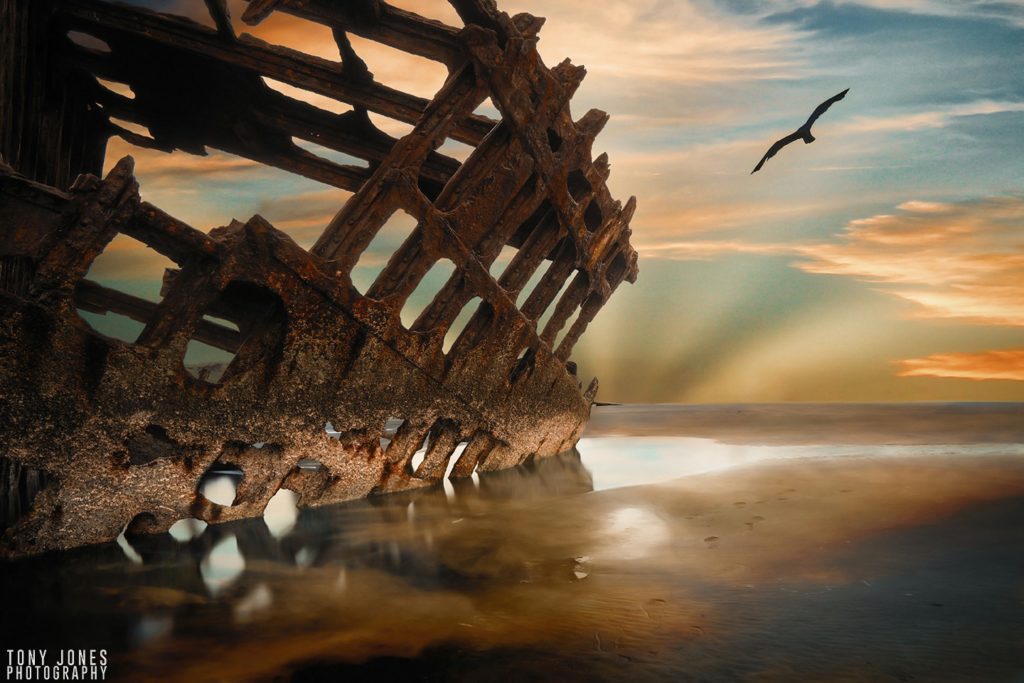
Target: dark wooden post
x=50, y=134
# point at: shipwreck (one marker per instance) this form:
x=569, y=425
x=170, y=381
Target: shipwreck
x=327, y=394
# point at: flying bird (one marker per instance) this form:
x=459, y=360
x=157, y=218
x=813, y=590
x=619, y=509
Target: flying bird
x=801, y=133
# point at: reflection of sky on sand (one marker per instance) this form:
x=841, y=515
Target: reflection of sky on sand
x=655, y=558
x=252, y=603
x=184, y=530
x=630, y=461
x=633, y=532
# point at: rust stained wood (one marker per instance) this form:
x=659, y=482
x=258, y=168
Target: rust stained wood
x=52, y=136
x=280, y=63
x=258, y=10
x=309, y=349
x=350, y=133
x=347, y=233
x=221, y=16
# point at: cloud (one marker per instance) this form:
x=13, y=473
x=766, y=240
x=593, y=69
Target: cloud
x=665, y=42
x=834, y=128
x=305, y=215
x=958, y=260
x=1007, y=12
x=932, y=118
x=706, y=250
x=955, y=260
x=127, y=259
x=1007, y=364
x=962, y=9
x=690, y=183
x=156, y=166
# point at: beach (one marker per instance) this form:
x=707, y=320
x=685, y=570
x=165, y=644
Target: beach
x=768, y=543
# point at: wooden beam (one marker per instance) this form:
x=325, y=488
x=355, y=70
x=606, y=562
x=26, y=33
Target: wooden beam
x=221, y=17
x=352, y=65
x=392, y=26
x=169, y=236
x=258, y=10
x=295, y=68
x=309, y=123
x=344, y=134
x=292, y=158
x=298, y=160
x=481, y=13
x=347, y=235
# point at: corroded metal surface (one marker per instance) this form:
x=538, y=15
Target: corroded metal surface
x=115, y=434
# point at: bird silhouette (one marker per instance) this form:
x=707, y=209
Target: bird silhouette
x=801, y=133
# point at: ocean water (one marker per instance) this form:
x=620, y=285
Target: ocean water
x=761, y=543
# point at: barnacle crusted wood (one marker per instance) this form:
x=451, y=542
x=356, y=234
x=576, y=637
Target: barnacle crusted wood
x=99, y=433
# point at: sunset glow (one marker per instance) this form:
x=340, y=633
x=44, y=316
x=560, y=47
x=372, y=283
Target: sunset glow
x=898, y=235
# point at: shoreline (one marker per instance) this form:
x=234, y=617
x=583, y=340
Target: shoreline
x=803, y=423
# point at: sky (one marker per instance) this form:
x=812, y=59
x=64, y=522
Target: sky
x=883, y=262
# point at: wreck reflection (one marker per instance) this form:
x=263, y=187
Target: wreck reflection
x=791, y=563
x=392, y=533
x=222, y=565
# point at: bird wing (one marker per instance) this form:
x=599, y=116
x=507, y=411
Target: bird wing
x=779, y=144
x=823, y=107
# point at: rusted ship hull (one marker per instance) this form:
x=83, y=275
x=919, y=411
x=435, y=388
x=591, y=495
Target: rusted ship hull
x=120, y=434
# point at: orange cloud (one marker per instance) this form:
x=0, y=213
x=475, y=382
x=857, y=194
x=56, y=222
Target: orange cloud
x=125, y=258
x=957, y=260
x=934, y=118
x=156, y=166
x=683, y=42
x=960, y=260
x=705, y=250
x=304, y=216
x=1005, y=364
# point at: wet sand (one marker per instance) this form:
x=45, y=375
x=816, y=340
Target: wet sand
x=766, y=553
